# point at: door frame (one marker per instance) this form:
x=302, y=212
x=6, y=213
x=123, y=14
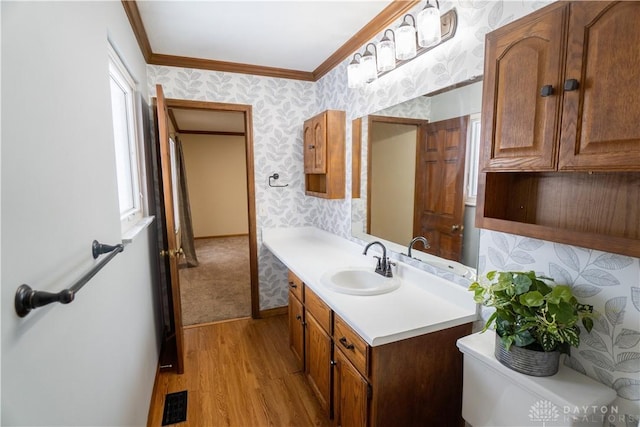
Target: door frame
x=251, y=199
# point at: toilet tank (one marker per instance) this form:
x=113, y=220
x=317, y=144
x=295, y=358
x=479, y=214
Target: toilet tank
x=494, y=395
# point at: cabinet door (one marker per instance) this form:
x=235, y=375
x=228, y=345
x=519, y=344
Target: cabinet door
x=350, y=394
x=520, y=121
x=296, y=329
x=315, y=144
x=320, y=141
x=308, y=146
x=600, y=128
x=318, y=361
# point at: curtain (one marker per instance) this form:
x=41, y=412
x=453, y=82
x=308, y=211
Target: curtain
x=186, y=229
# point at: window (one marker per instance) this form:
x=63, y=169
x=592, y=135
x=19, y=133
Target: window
x=473, y=157
x=125, y=132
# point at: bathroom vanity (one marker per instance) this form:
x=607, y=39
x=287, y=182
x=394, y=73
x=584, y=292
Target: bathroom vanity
x=385, y=357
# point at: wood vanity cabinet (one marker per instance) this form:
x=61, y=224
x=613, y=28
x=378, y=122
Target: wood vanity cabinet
x=411, y=382
x=296, y=319
x=324, y=154
x=318, y=348
x=561, y=144
x=310, y=321
x=351, y=393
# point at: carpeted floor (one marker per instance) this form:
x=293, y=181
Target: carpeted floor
x=220, y=287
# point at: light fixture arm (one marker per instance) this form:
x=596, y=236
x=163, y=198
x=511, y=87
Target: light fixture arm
x=429, y=4
x=404, y=20
x=384, y=35
x=368, y=53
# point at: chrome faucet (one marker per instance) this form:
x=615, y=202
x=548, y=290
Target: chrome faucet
x=413, y=242
x=384, y=265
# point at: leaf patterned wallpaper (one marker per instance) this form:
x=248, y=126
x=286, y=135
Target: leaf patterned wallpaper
x=611, y=283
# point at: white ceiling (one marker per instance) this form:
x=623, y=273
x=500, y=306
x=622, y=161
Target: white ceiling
x=297, y=35
x=291, y=34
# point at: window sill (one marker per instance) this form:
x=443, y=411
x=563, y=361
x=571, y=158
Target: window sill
x=132, y=233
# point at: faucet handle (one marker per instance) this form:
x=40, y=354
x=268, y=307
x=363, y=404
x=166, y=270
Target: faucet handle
x=387, y=268
x=379, y=267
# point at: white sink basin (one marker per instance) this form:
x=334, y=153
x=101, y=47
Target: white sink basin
x=359, y=281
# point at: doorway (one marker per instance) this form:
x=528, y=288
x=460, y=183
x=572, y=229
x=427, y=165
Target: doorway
x=219, y=272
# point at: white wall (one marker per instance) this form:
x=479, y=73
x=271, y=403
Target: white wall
x=91, y=362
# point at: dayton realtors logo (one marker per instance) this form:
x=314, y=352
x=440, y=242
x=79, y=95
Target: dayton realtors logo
x=544, y=411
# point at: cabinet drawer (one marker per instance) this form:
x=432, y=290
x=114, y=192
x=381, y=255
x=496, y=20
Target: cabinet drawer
x=296, y=286
x=354, y=347
x=320, y=311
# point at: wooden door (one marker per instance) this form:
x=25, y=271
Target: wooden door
x=522, y=93
x=439, y=201
x=318, y=361
x=172, y=223
x=600, y=116
x=350, y=395
x=296, y=329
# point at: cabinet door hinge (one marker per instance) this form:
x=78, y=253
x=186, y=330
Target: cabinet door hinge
x=369, y=392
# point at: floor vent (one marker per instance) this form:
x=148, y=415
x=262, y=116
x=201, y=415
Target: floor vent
x=175, y=408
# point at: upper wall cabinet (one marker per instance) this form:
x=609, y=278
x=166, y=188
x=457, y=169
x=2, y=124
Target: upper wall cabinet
x=561, y=90
x=561, y=137
x=324, y=153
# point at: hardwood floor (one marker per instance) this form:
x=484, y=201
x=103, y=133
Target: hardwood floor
x=240, y=373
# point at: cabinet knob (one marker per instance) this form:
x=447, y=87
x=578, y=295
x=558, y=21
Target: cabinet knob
x=571, y=85
x=333, y=363
x=456, y=227
x=298, y=317
x=546, y=90
x=293, y=285
x=311, y=147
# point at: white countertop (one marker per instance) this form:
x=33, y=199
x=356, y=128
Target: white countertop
x=422, y=304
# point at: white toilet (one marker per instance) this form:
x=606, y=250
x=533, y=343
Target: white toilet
x=494, y=395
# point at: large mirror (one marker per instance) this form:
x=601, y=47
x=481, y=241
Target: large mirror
x=417, y=177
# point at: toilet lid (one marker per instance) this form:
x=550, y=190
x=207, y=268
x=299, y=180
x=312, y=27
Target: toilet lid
x=567, y=388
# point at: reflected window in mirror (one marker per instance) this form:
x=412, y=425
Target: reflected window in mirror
x=473, y=156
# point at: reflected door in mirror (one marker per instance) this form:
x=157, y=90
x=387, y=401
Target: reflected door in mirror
x=439, y=207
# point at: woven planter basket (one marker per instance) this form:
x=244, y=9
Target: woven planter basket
x=529, y=362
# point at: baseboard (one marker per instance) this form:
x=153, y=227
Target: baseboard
x=278, y=311
x=221, y=236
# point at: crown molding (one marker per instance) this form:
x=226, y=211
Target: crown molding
x=392, y=12
x=133, y=13
x=230, y=67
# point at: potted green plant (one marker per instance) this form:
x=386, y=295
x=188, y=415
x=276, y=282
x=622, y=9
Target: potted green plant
x=534, y=321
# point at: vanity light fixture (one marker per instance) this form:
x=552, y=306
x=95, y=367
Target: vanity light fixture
x=406, y=39
x=428, y=25
x=433, y=30
x=368, y=69
x=387, y=52
x=354, y=78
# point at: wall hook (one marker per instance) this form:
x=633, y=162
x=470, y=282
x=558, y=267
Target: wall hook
x=275, y=177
